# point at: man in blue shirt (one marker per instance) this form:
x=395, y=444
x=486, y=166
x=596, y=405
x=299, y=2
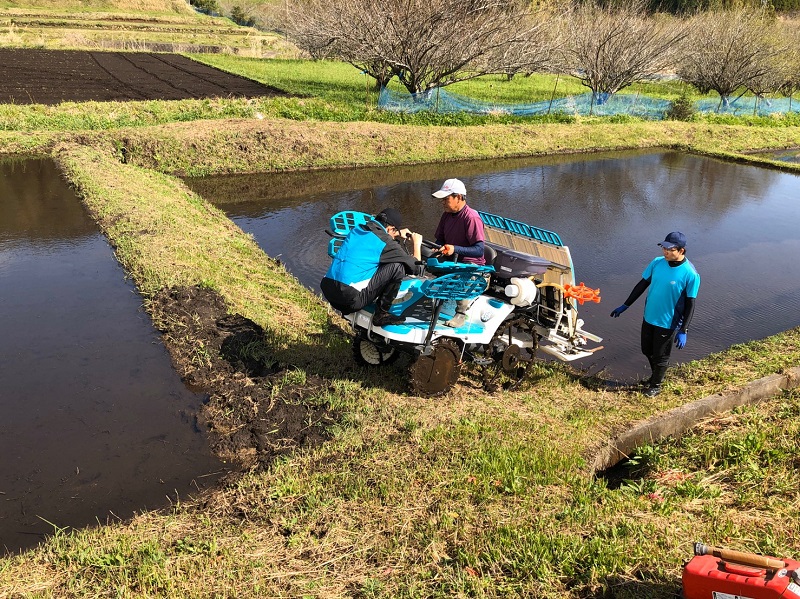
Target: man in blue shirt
x=669, y=306
x=370, y=266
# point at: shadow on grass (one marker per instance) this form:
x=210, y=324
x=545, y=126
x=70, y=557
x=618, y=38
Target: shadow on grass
x=617, y=587
x=625, y=472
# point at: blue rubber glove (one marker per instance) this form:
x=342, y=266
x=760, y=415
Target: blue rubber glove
x=680, y=340
x=618, y=311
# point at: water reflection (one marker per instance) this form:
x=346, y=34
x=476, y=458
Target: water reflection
x=33, y=207
x=791, y=155
x=742, y=223
x=94, y=421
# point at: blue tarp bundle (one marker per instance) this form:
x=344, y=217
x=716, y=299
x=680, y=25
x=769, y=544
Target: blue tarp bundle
x=441, y=101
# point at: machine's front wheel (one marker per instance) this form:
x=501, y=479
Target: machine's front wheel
x=369, y=353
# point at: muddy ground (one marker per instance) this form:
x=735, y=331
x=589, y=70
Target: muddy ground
x=252, y=415
x=34, y=76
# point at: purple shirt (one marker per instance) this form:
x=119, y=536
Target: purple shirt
x=464, y=228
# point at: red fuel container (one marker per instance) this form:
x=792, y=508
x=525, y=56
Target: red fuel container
x=710, y=577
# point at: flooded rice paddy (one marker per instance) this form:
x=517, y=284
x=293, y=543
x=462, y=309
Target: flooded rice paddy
x=742, y=224
x=96, y=424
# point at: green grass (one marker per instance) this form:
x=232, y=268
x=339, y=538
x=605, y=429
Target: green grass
x=743, y=462
x=99, y=116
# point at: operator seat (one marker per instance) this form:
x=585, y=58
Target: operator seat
x=489, y=254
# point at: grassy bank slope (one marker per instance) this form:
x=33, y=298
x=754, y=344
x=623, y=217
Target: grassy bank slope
x=264, y=145
x=181, y=240
x=157, y=7
x=141, y=25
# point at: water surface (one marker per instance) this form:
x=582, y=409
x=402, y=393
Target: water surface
x=95, y=422
x=742, y=224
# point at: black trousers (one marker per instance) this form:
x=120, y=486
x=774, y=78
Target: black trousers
x=383, y=286
x=657, y=347
x=381, y=289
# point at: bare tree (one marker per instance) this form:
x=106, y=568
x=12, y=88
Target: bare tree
x=351, y=33
x=611, y=47
x=790, y=33
x=779, y=77
x=424, y=43
x=729, y=50
x=534, y=50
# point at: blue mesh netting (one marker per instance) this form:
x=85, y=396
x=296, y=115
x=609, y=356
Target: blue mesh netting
x=441, y=101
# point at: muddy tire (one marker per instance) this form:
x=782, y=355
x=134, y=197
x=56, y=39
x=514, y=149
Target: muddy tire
x=437, y=372
x=369, y=353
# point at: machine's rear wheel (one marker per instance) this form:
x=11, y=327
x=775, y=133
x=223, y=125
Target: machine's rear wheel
x=507, y=358
x=436, y=372
x=369, y=353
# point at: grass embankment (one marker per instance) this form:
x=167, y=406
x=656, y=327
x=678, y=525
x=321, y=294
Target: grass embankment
x=151, y=242
x=469, y=495
x=139, y=7
x=264, y=145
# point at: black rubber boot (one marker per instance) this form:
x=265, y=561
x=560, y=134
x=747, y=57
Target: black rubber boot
x=383, y=318
x=652, y=390
x=659, y=372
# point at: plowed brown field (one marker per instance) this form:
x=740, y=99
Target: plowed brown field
x=31, y=76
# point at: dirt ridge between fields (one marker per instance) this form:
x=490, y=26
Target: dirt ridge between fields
x=678, y=420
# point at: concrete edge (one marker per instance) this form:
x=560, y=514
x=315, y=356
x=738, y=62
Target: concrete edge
x=678, y=420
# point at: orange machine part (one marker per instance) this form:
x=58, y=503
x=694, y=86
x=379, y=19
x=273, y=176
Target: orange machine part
x=582, y=293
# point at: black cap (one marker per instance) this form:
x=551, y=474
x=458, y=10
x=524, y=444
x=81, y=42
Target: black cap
x=676, y=239
x=390, y=216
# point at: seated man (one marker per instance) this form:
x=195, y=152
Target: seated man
x=370, y=266
x=460, y=231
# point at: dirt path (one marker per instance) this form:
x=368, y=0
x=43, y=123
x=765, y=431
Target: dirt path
x=31, y=76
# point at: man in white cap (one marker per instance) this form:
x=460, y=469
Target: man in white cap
x=460, y=231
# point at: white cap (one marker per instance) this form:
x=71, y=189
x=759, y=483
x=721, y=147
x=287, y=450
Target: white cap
x=450, y=186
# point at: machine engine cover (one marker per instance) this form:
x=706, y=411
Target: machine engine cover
x=511, y=263
x=710, y=577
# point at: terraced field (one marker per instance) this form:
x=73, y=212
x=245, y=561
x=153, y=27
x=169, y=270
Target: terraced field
x=179, y=32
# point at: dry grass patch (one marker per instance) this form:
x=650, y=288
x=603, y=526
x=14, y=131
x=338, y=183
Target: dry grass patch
x=163, y=7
